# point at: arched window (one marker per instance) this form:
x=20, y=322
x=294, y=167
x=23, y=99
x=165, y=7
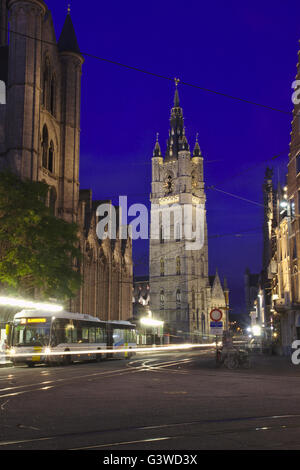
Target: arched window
x=162, y=300
x=178, y=298
x=178, y=265
x=202, y=266
x=161, y=234
x=169, y=185
x=162, y=267
x=45, y=144
x=178, y=234
x=194, y=180
x=46, y=84
x=51, y=157
x=2, y=92
x=52, y=200
x=193, y=298
x=202, y=300
x=52, y=95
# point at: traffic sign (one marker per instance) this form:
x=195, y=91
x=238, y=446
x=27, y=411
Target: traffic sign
x=216, y=327
x=216, y=314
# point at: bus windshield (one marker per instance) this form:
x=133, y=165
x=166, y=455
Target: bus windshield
x=31, y=335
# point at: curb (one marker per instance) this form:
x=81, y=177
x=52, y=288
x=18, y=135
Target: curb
x=6, y=364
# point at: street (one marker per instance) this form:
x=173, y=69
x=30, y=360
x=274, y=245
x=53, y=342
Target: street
x=177, y=401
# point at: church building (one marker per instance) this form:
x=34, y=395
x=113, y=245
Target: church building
x=40, y=97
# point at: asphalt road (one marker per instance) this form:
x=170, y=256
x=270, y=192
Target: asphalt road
x=177, y=401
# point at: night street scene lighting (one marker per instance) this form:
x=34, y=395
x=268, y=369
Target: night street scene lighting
x=149, y=231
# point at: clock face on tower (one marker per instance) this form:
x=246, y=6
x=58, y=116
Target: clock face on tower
x=169, y=185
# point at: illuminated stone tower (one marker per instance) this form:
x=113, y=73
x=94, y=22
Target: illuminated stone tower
x=180, y=289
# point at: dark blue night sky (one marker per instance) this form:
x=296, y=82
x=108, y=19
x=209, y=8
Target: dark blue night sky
x=246, y=49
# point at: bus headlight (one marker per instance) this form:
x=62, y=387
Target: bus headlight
x=47, y=350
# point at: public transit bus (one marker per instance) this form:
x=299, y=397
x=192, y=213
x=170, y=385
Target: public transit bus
x=39, y=335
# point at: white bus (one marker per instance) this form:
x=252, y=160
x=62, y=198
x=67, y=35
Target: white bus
x=36, y=334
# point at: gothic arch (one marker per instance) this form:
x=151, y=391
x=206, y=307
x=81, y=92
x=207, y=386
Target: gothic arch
x=162, y=299
x=46, y=79
x=162, y=267
x=193, y=298
x=45, y=144
x=178, y=298
x=51, y=157
x=53, y=94
x=49, y=131
x=178, y=265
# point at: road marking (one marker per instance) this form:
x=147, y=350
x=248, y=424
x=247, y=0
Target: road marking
x=3, y=404
x=9, y=443
x=124, y=443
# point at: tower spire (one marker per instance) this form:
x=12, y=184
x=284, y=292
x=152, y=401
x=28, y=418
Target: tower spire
x=67, y=41
x=176, y=96
x=177, y=140
x=157, y=151
x=197, y=150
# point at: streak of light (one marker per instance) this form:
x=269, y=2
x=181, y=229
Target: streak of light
x=124, y=443
x=111, y=351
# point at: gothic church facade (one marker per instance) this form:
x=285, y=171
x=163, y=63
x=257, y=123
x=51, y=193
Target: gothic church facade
x=40, y=140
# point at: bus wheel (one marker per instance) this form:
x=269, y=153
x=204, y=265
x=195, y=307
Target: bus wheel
x=98, y=357
x=67, y=360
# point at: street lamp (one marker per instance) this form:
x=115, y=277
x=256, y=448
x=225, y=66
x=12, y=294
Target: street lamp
x=151, y=323
x=256, y=330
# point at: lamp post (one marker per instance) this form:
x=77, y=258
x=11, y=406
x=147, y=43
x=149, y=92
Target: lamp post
x=151, y=322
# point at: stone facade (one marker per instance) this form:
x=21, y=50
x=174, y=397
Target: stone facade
x=181, y=293
x=40, y=140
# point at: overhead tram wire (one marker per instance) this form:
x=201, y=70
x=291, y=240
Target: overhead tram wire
x=156, y=75
x=236, y=196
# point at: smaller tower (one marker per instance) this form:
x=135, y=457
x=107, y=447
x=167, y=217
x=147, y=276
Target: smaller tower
x=24, y=85
x=71, y=62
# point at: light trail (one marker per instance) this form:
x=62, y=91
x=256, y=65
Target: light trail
x=12, y=355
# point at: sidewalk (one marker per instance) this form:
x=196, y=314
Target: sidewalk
x=5, y=362
x=274, y=365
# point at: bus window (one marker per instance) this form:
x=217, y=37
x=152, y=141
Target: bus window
x=74, y=333
x=92, y=338
x=99, y=335
x=68, y=333
x=58, y=332
x=78, y=329
x=118, y=337
x=85, y=335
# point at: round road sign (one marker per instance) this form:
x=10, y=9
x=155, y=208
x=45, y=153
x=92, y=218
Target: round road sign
x=216, y=314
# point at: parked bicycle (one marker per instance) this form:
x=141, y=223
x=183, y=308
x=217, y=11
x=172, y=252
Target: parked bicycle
x=232, y=359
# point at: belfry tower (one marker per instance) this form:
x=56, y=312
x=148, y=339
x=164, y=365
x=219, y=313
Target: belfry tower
x=179, y=283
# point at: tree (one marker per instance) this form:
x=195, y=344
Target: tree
x=37, y=250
